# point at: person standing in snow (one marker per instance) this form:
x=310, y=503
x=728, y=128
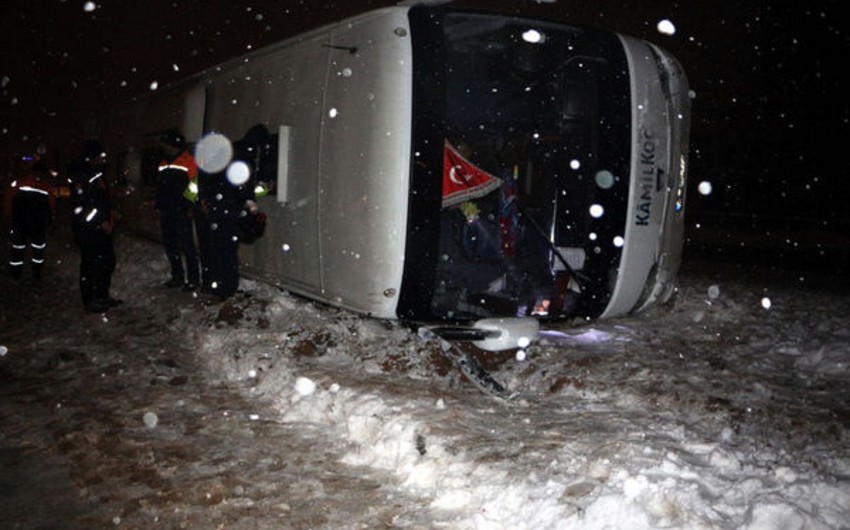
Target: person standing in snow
x=225, y=198
x=258, y=151
x=222, y=203
x=176, y=171
x=93, y=222
x=30, y=203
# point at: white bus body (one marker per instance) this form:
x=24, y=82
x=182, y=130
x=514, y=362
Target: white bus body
x=591, y=129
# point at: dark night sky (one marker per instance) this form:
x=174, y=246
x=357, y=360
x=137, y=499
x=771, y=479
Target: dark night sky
x=769, y=123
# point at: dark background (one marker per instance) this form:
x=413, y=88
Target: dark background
x=769, y=129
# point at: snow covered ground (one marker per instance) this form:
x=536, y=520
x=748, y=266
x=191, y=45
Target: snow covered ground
x=728, y=409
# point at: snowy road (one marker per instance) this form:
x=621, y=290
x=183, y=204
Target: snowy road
x=729, y=409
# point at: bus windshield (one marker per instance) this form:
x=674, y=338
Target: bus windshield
x=536, y=131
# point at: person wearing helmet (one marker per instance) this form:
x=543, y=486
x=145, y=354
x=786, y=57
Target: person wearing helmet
x=176, y=171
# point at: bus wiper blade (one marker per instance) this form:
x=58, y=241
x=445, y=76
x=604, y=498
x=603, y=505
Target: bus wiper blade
x=585, y=280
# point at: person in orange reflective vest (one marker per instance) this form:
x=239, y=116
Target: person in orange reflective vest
x=176, y=171
x=30, y=203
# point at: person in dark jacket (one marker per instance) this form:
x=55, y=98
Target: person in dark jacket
x=30, y=202
x=93, y=222
x=222, y=203
x=176, y=171
x=223, y=198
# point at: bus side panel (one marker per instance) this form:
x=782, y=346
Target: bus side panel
x=365, y=163
x=281, y=89
x=138, y=126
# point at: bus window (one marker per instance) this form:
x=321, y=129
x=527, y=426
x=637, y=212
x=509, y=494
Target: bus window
x=541, y=108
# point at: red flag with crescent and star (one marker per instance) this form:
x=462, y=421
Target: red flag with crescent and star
x=463, y=180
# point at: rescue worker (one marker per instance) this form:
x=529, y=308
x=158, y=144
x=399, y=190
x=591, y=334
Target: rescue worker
x=258, y=149
x=223, y=196
x=93, y=222
x=30, y=202
x=176, y=171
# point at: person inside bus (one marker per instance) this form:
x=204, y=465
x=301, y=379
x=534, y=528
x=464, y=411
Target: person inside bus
x=471, y=257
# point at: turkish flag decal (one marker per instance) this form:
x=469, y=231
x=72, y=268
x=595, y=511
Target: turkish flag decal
x=463, y=180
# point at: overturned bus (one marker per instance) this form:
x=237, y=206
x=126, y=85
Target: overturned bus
x=440, y=165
